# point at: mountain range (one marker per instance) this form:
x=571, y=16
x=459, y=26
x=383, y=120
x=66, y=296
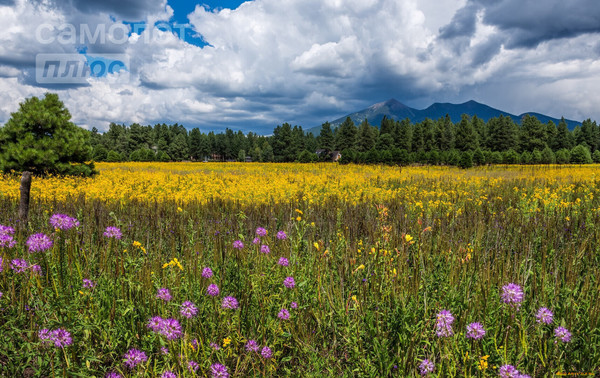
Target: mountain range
x=396, y=110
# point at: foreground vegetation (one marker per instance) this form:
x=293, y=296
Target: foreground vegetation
x=356, y=271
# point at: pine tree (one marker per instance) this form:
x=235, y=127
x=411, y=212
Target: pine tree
x=418, y=139
x=267, y=152
x=40, y=139
x=345, y=136
x=548, y=156
x=589, y=134
x=502, y=133
x=298, y=140
x=480, y=128
x=532, y=134
x=466, y=137
x=580, y=155
x=366, y=137
x=178, y=149
x=325, y=139
x=563, y=137
x=403, y=135
x=387, y=126
x=478, y=157
x=195, y=146
x=282, y=143
x=551, y=131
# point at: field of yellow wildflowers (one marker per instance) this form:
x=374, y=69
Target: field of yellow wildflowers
x=202, y=269
x=251, y=184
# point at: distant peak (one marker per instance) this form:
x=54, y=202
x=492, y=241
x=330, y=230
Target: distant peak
x=391, y=103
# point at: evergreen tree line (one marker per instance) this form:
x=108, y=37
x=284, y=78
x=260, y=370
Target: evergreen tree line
x=468, y=142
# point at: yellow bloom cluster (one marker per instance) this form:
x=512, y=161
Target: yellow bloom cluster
x=173, y=263
x=446, y=190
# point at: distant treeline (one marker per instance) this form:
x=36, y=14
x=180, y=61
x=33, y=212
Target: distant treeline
x=468, y=142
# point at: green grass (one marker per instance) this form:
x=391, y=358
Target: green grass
x=350, y=321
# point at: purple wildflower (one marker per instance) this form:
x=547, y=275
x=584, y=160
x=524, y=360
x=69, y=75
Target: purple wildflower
x=283, y=314
x=113, y=232
x=36, y=269
x=256, y=241
x=475, y=331
x=1, y=295
x=426, y=367
x=230, y=302
x=45, y=336
x=265, y=249
x=218, y=371
x=7, y=241
x=6, y=230
x=63, y=222
x=283, y=261
x=164, y=351
x=170, y=328
x=508, y=371
x=19, y=265
x=261, y=231
x=281, y=235
x=266, y=352
x=562, y=334
x=251, y=346
x=38, y=243
x=207, y=272
x=212, y=290
x=1, y=264
x=168, y=374
x=294, y=305
x=188, y=309
x=61, y=338
x=193, y=366
x=238, y=244
x=444, y=324
x=155, y=323
x=164, y=294
x=512, y=294
x=215, y=346
x=544, y=315
x=88, y=284
x=289, y=282
x=113, y=375
x=134, y=357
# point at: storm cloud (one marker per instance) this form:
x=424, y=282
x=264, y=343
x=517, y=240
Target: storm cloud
x=308, y=61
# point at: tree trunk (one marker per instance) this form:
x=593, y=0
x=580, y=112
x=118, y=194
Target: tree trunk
x=24, y=204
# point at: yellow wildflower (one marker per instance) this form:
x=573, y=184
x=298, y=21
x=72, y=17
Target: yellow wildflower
x=483, y=364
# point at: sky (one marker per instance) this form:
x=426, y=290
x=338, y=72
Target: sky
x=254, y=65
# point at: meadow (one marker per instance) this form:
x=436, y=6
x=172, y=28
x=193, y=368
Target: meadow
x=312, y=270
